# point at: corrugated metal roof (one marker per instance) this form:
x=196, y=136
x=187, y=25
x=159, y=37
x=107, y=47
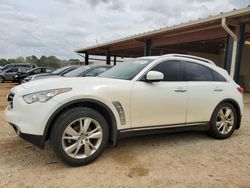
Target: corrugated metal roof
x=210, y=19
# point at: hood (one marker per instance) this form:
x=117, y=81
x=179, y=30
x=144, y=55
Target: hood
x=46, y=76
x=73, y=82
x=47, y=83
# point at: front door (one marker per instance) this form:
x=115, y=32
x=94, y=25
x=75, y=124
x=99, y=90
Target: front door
x=160, y=103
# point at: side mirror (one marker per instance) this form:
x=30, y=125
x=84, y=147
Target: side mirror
x=154, y=76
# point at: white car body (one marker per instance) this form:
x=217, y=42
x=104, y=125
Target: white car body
x=145, y=105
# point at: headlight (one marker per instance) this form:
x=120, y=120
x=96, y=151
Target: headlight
x=43, y=96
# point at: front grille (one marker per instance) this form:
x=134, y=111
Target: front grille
x=10, y=98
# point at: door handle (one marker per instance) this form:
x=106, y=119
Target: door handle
x=180, y=90
x=218, y=89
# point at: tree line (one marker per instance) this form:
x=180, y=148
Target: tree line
x=43, y=61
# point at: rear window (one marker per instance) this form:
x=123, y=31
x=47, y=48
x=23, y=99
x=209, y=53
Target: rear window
x=197, y=72
x=218, y=77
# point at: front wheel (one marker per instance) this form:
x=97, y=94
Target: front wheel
x=223, y=121
x=79, y=136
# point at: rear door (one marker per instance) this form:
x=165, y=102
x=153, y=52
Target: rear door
x=160, y=103
x=206, y=89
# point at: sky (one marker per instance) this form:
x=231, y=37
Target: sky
x=58, y=27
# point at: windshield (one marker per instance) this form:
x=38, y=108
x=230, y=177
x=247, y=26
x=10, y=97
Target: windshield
x=127, y=70
x=58, y=71
x=29, y=71
x=76, y=72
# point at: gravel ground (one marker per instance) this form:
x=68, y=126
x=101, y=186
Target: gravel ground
x=171, y=160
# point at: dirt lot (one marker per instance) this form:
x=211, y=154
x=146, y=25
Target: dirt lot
x=170, y=160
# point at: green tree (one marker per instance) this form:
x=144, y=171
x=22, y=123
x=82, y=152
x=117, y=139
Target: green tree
x=43, y=61
x=20, y=60
x=3, y=62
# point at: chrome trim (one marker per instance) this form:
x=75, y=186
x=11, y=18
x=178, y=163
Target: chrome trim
x=162, y=127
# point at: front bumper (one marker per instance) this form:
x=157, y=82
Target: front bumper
x=34, y=139
x=29, y=120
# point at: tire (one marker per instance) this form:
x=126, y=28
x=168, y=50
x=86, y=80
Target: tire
x=223, y=123
x=2, y=79
x=66, y=135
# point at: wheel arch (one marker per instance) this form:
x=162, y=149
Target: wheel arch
x=237, y=108
x=100, y=107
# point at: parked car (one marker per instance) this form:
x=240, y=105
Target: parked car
x=19, y=65
x=8, y=74
x=146, y=95
x=19, y=76
x=86, y=71
x=57, y=72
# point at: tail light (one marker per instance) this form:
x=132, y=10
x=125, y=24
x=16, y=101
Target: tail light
x=240, y=89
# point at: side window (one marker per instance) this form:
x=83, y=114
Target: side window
x=197, y=72
x=218, y=77
x=171, y=70
x=47, y=70
x=37, y=71
x=12, y=70
x=96, y=71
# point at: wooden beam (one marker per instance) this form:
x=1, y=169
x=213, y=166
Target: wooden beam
x=86, y=58
x=108, y=57
x=115, y=60
x=190, y=37
x=147, y=47
x=127, y=46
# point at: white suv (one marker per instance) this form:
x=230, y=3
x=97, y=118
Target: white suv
x=147, y=95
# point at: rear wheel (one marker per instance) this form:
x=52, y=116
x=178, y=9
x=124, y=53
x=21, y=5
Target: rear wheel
x=79, y=136
x=2, y=79
x=224, y=120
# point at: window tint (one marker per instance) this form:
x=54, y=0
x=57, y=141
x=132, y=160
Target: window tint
x=48, y=70
x=218, y=77
x=61, y=70
x=126, y=70
x=96, y=72
x=37, y=71
x=77, y=72
x=170, y=69
x=12, y=70
x=197, y=72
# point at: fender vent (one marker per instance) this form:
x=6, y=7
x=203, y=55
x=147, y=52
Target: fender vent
x=120, y=111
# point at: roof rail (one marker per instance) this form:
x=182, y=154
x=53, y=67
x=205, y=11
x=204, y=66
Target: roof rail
x=192, y=57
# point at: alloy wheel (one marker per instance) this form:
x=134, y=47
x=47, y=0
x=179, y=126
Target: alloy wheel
x=82, y=138
x=225, y=120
